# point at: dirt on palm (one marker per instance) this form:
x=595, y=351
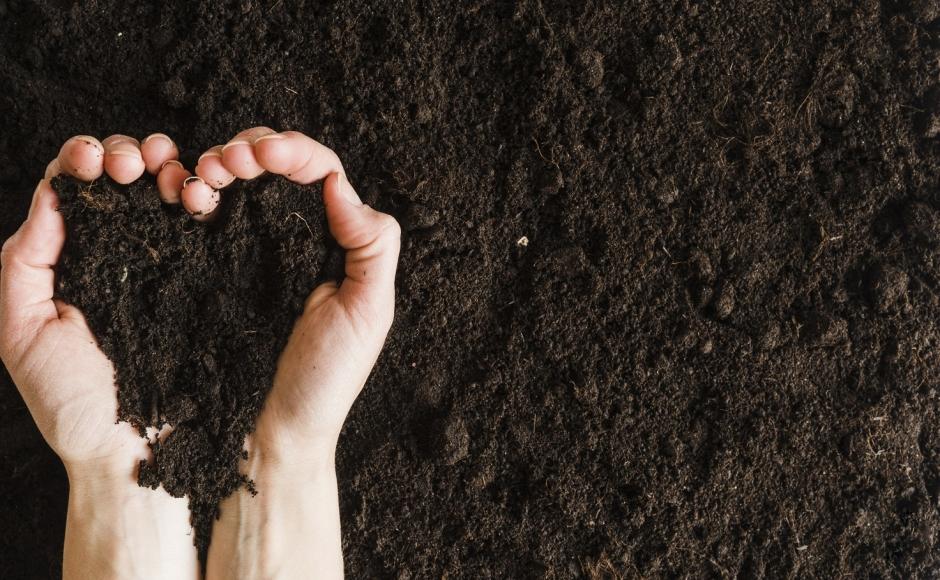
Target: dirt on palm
x=668, y=294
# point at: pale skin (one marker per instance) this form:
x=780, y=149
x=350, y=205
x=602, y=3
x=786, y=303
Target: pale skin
x=115, y=529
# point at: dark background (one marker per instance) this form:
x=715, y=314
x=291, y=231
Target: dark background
x=718, y=354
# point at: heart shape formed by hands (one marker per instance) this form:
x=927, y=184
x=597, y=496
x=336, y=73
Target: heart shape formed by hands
x=193, y=316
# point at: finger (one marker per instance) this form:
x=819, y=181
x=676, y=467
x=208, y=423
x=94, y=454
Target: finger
x=156, y=150
x=170, y=181
x=238, y=155
x=296, y=157
x=372, y=242
x=26, y=276
x=123, y=160
x=210, y=168
x=52, y=169
x=82, y=157
x=199, y=199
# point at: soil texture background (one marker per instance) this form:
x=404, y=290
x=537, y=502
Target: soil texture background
x=669, y=294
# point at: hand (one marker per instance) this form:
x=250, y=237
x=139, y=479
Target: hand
x=291, y=528
x=114, y=528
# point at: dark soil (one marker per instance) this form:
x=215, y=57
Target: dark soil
x=669, y=290
x=193, y=317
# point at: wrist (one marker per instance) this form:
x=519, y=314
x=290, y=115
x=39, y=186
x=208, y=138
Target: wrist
x=118, y=468
x=267, y=462
x=117, y=529
x=111, y=473
x=287, y=524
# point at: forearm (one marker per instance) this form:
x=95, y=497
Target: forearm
x=289, y=529
x=116, y=529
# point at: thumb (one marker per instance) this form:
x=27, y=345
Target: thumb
x=372, y=242
x=26, y=275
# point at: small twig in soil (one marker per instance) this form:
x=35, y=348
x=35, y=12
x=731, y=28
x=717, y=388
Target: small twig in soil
x=153, y=253
x=824, y=239
x=301, y=218
x=86, y=195
x=545, y=159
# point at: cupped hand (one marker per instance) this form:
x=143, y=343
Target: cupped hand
x=337, y=340
x=64, y=378
x=114, y=528
x=291, y=528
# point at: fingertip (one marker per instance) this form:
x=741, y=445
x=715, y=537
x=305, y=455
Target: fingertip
x=238, y=157
x=170, y=181
x=199, y=199
x=349, y=220
x=156, y=150
x=275, y=153
x=82, y=157
x=124, y=162
x=41, y=237
x=211, y=169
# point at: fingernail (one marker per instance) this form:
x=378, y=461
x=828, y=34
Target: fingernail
x=135, y=153
x=172, y=162
x=37, y=193
x=116, y=139
x=270, y=136
x=235, y=142
x=90, y=141
x=189, y=180
x=348, y=192
x=157, y=136
x=209, y=153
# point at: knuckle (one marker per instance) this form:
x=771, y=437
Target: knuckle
x=389, y=228
x=6, y=251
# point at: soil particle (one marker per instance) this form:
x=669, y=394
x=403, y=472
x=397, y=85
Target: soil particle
x=925, y=11
x=174, y=91
x=886, y=286
x=707, y=346
x=420, y=217
x=724, y=301
x=923, y=224
x=456, y=441
x=838, y=103
x=827, y=330
x=591, y=68
x=769, y=336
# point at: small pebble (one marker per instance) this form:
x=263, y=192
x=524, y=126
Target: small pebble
x=456, y=441
x=769, y=337
x=725, y=301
